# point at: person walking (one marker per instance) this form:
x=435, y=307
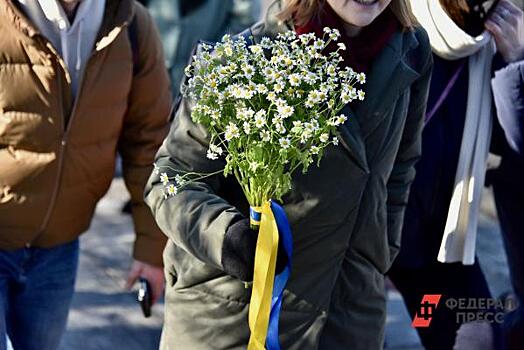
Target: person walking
x=80, y=80
x=345, y=215
x=438, y=239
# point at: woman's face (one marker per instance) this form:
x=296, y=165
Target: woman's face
x=358, y=13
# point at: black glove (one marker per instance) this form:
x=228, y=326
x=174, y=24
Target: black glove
x=238, y=251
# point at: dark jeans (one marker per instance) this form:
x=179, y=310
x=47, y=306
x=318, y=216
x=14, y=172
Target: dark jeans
x=36, y=288
x=450, y=280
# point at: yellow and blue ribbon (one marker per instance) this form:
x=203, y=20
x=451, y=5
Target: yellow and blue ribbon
x=266, y=297
x=255, y=215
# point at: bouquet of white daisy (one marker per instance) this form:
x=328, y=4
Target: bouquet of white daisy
x=270, y=108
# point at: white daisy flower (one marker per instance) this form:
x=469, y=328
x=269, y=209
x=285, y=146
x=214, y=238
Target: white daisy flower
x=249, y=70
x=247, y=128
x=331, y=70
x=278, y=87
x=260, y=119
x=353, y=94
x=304, y=38
x=164, y=179
x=216, y=149
x=287, y=61
x=246, y=94
x=310, y=127
x=266, y=42
x=361, y=78
x=256, y=49
x=334, y=35
x=179, y=180
x=279, y=102
x=361, y=95
x=294, y=79
x=284, y=142
x=313, y=97
x=231, y=132
x=188, y=71
x=345, y=97
x=341, y=119
x=171, y=190
x=215, y=114
x=285, y=111
x=211, y=155
x=213, y=83
x=309, y=104
x=322, y=96
x=265, y=136
x=314, y=149
x=271, y=96
x=245, y=113
x=261, y=88
x=324, y=137
x=305, y=136
x=228, y=50
x=318, y=44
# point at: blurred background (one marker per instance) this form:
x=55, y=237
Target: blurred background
x=106, y=316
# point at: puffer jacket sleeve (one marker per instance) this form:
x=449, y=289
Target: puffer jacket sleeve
x=145, y=126
x=196, y=218
x=410, y=149
x=508, y=91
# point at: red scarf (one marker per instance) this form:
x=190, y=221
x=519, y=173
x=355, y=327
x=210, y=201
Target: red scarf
x=362, y=49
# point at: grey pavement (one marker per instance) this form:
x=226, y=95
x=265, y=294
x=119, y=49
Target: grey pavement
x=106, y=316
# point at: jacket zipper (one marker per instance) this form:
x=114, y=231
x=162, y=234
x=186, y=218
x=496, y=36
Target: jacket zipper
x=63, y=142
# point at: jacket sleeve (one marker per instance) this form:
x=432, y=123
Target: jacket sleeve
x=196, y=218
x=145, y=126
x=409, y=152
x=508, y=92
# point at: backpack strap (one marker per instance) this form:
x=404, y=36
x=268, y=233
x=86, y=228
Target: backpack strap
x=132, y=32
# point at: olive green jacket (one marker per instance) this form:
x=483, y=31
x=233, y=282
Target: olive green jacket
x=346, y=218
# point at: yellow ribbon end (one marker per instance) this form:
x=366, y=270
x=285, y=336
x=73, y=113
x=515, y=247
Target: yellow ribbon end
x=263, y=278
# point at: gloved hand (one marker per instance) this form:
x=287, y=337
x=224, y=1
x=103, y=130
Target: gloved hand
x=238, y=251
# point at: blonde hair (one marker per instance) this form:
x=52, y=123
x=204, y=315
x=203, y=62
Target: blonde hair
x=302, y=11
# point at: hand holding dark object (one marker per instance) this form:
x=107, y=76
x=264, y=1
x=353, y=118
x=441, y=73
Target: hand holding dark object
x=145, y=297
x=506, y=23
x=153, y=274
x=238, y=251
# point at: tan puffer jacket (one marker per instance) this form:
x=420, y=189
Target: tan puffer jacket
x=57, y=156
